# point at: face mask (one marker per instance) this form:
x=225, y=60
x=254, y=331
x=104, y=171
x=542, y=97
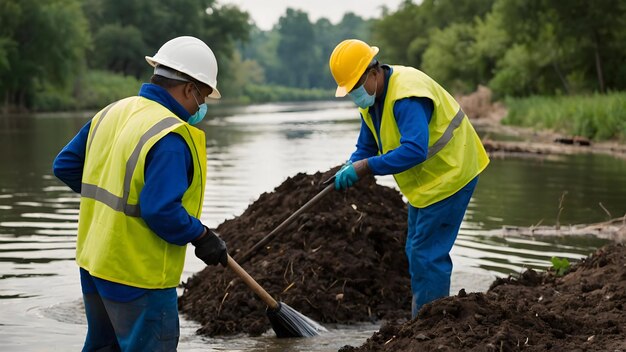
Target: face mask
x=361, y=97
x=199, y=115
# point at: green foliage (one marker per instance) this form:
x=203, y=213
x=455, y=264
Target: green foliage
x=295, y=49
x=50, y=98
x=596, y=116
x=243, y=73
x=444, y=60
x=254, y=93
x=517, y=47
x=46, y=46
x=128, y=30
x=403, y=35
x=94, y=90
x=50, y=48
x=515, y=74
x=397, y=31
x=296, y=52
x=42, y=42
x=570, y=43
x=118, y=49
x=560, y=266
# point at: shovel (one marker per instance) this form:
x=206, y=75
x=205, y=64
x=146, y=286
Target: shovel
x=246, y=256
x=285, y=321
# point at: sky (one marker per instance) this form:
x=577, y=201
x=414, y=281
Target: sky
x=265, y=13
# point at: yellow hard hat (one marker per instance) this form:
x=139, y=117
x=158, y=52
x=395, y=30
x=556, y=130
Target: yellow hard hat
x=348, y=62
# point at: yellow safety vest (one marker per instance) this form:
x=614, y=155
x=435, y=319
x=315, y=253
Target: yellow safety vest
x=114, y=243
x=455, y=152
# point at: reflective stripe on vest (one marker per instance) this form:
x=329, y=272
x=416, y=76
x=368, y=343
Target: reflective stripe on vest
x=455, y=153
x=104, y=113
x=106, y=197
x=447, y=135
x=114, y=242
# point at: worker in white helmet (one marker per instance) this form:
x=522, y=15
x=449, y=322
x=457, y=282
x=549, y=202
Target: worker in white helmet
x=140, y=167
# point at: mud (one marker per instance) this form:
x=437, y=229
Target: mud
x=341, y=262
x=580, y=311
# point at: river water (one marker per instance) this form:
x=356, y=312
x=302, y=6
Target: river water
x=251, y=150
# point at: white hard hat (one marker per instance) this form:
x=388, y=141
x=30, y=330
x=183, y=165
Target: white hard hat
x=190, y=56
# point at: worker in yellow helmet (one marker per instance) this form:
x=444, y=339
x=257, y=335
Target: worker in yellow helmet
x=412, y=129
x=140, y=167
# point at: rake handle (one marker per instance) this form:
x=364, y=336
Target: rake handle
x=263, y=295
x=246, y=256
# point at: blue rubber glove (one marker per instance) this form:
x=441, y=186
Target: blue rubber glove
x=346, y=177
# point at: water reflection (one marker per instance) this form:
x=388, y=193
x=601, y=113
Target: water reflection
x=251, y=150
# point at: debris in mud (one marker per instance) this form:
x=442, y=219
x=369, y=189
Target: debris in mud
x=576, y=140
x=341, y=262
x=527, y=147
x=614, y=230
x=581, y=311
x=542, y=148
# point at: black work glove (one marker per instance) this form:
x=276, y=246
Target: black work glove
x=211, y=249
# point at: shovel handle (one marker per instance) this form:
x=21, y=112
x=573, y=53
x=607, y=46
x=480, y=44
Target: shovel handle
x=246, y=256
x=263, y=295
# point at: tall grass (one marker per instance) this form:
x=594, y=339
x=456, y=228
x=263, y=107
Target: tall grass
x=597, y=116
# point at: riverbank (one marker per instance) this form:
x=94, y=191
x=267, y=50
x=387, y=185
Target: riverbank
x=508, y=133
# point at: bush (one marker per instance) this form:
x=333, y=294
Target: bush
x=53, y=99
x=271, y=93
x=96, y=89
x=93, y=90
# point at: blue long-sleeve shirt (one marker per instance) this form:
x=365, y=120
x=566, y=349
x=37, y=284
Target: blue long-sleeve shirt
x=412, y=115
x=168, y=173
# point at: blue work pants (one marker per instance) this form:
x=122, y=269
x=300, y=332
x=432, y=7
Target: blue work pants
x=148, y=323
x=431, y=233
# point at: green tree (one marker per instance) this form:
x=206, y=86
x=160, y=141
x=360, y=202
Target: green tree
x=41, y=42
x=446, y=59
x=263, y=48
x=490, y=45
x=125, y=31
x=296, y=49
x=578, y=40
x=404, y=34
x=516, y=73
x=327, y=36
x=243, y=73
x=595, y=26
x=397, y=31
x=119, y=49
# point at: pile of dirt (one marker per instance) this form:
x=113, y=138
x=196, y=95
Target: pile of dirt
x=342, y=262
x=581, y=311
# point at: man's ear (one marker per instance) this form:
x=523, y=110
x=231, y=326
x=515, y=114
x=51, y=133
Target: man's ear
x=187, y=89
